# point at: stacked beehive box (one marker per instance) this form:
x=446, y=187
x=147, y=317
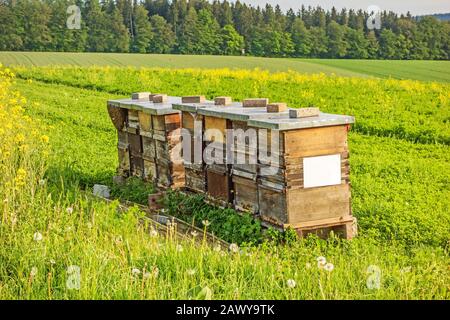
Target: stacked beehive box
x=193, y=145
x=289, y=166
x=149, y=138
x=242, y=149
x=307, y=185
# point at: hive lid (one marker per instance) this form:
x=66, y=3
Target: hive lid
x=193, y=107
x=282, y=121
x=148, y=106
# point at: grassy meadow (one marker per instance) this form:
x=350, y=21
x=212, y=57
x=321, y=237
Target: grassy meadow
x=415, y=70
x=57, y=141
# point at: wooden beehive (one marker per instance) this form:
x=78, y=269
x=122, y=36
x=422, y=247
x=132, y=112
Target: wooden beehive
x=149, y=139
x=193, y=125
x=241, y=153
x=304, y=184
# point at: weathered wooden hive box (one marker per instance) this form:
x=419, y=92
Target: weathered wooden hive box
x=149, y=138
x=304, y=182
x=241, y=145
x=192, y=125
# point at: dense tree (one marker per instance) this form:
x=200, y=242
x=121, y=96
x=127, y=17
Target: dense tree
x=319, y=42
x=337, y=46
x=118, y=37
x=218, y=27
x=208, y=36
x=143, y=34
x=11, y=30
x=301, y=38
x=232, y=41
x=356, y=44
x=163, y=36
x=97, y=25
x=388, y=41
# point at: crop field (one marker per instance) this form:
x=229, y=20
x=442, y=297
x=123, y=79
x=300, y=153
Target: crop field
x=56, y=141
x=415, y=70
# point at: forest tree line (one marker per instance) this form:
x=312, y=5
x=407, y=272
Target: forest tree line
x=218, y=27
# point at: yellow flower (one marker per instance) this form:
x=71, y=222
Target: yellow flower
x=45, y=138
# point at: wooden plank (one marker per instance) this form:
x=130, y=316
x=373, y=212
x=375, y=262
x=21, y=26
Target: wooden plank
x=133, y=119
x=245, y=194
x=223, y=101
x=164, y=171
x=160, y=98
x=149, y=148
x=321, y=223
x=122, y=139
x=316, y=141
x=145, y=121
x=213, y=124
x=193, y=99
x=219, y=185
x=140, y=95
x=195, y=179
x=137, y=166
x=272, y=205
x=304, y=112
x=159, y=123
x=172, y=122
x=318, y=203
x=150, y=171
x=135, y=141
x=255, y=102
x=118, y=116
x=124, y=162
x=276, y=107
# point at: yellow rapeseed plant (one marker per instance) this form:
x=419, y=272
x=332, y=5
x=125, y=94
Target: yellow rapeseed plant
x=22, y=150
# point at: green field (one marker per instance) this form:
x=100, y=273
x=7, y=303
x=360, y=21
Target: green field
x=400, y=173
x=416, y=70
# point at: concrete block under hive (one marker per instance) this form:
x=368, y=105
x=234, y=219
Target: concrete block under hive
x=308, y=188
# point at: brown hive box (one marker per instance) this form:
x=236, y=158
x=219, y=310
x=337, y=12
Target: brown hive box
x=193, y=126
x=152, y=134
x=309, y=188
x=241, y=177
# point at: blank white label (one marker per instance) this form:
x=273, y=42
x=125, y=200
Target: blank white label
x=322, y=171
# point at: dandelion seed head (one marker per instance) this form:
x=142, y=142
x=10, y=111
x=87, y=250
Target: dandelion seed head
x=34, y=271
x=321, y=262
x=206, y=223
x=291, y=283
x=153, y=233
x=37, y=236
x=135, y=271
x=190, y=272
x=194, y=233
x=234, y=248
x=328, y=267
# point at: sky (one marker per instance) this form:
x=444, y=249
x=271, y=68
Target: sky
x=416, y=7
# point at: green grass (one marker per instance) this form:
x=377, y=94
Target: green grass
x=396, y=69
x=416, y=70
x=395, y=181
x=400, y=194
